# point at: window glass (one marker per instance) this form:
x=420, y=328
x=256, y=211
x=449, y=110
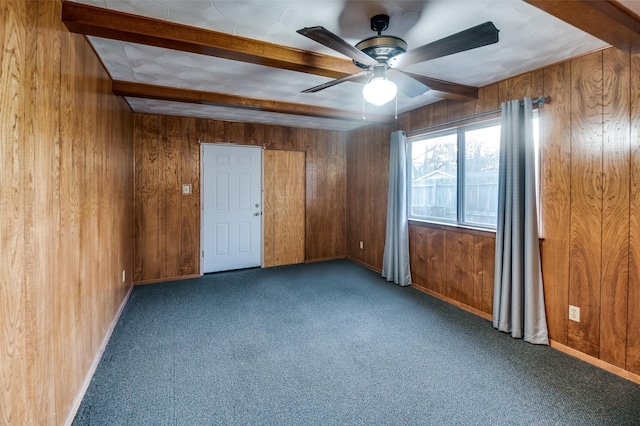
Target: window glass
x=454, y=174
x=481, y=157
x=433, y=177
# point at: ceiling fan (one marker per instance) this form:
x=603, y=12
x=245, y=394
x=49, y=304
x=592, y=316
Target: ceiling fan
x=382, y=56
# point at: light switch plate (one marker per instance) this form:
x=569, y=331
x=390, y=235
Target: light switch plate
x=186, y=189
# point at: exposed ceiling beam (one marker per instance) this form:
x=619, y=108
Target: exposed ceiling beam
x=607, y=20
x=95, y=21
x=164, y=93
x=99, y=22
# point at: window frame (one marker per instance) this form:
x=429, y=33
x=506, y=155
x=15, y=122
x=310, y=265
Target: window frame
x=459, y=131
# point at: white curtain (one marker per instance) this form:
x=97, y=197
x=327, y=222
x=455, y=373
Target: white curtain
x=518, y=299
x=395, y=262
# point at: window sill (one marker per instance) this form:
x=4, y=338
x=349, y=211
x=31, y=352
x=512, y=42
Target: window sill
x=485, y=232
x=458, y=228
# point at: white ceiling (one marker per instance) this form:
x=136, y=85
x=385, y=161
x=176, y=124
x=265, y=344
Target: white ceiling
x=529, y=39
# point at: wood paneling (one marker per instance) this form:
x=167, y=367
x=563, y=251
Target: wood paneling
x=590, y=201
x=65, y=212
x=189, y=206
x=165, y=146
x=453, y=263
x=616, y=173
x=555, y=186
x=368, y=182
x=284, y=207
x=326, y=191
x=633, y=302
x=586, y=202
x=167, y=155
x=13, y=355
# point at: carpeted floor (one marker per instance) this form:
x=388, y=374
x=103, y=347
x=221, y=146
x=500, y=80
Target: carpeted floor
x=332, y=343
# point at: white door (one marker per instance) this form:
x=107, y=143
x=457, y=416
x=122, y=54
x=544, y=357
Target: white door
x=231, y=207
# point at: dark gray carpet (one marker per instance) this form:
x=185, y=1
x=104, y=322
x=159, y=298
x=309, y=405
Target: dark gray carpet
x=332, y=343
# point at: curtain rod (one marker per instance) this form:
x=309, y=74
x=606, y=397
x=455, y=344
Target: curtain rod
x=539, y=101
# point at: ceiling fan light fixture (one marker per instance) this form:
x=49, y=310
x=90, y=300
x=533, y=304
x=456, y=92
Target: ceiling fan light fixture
x=378, y=91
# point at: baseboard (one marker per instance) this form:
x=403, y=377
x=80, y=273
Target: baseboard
x=164, y=280
x=595, y=361
x=324, y=259
x=96, y=360
x=454, y=302
x=365, y=264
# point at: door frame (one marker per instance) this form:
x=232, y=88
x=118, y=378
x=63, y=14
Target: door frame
x=236, y=145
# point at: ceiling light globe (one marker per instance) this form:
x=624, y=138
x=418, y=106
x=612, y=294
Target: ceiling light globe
x=379, y=91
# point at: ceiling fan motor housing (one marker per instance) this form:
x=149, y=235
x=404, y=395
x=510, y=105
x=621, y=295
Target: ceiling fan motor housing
x=381, y=48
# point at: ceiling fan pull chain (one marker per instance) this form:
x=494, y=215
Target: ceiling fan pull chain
x=363, y=117
x=396, y=107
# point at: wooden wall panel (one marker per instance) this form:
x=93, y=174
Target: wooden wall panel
x=172, y=176
x=167, y=155
x=615, y=207
x=586, y=202
x=46, y=213
x=367, y=190
x=147, y=202
x=436, y=261
x=165, y=161
x=418, y=250
x=38, y=195
x=190, y=205
x=488, y=274
x=326, y=186
x=477, y=273
x=555, y=186
x=284, y=207
x=65, y=211
x=633, y=302
x=453, y=264
x=13, y=355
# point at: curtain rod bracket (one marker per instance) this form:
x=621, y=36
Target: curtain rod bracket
x=542, y=100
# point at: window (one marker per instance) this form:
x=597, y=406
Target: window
x=454, y=174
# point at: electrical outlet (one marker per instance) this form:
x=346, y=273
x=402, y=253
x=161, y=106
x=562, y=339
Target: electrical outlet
x=574, y=313
x=361, y=245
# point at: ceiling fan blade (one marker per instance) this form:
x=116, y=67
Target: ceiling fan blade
x=332, y=41
x=471, y=38
x=351, y=77
x=469, y=92
x=407, y=84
